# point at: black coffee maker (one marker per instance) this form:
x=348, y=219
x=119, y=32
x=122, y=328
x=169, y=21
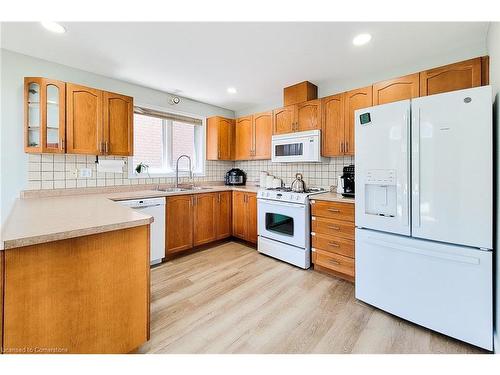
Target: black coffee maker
x=235, y=176
x=348, y=179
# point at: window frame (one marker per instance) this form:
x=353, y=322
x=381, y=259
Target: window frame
x=199, y=148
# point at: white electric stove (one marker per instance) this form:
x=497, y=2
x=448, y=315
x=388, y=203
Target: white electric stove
x=284, y=225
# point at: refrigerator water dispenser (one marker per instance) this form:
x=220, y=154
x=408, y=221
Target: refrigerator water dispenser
x=380, y=192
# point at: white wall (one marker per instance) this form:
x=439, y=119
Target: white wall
x=330, y=87
x=493, y=44
x=14, y=67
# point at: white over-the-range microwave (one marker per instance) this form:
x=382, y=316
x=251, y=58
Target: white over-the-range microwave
x=299, y=147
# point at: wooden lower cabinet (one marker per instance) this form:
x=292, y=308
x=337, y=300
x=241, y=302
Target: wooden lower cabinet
x=332, y=238
x=197, y=219
x=2, y=253
x=252, y=217
x=179, y=223
x=223, y=214
x=86, y=294
x=205, y=219
x=245, y=216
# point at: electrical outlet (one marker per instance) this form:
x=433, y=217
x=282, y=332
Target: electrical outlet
x=85, y=172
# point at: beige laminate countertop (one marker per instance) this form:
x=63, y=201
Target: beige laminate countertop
x=331, y=197
x=50, y=218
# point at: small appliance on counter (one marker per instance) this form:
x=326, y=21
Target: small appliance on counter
x=235, y=176
x=348, y=181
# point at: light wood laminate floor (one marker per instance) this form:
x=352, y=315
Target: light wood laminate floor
x=231, y=299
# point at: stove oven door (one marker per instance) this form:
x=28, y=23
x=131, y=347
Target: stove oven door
x=284, y=222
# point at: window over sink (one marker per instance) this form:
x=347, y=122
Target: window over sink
x=160, y=138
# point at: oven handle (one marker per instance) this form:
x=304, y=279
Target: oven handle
x=284, y=204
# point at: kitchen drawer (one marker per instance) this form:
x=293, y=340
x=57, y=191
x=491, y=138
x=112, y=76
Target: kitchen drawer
x=333, y=244
x=334, y=262
x=333, y=210
x=332, y=227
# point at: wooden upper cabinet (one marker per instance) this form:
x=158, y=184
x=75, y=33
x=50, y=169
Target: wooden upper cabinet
x=83, y=120
x=354, y=100
x=118, y=124
x=44, y=115
x=332, y=137
x=220, y=138
x=396, y=89
x=244, y=138
x=205, y=224
x=458, y=76
x=263, y=130
x=223, y=214
x=284, y=120
x=179, y=223
x=309, y=115
x=300, y=92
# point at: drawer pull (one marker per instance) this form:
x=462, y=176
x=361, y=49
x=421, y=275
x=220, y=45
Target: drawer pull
x=333, y=244
x=333, y=210
x=334, y=262
x=333, y=227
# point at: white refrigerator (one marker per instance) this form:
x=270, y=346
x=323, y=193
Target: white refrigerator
x=424, y=211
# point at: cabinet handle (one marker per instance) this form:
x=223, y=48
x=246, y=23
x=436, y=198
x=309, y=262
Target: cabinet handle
x=218, y=154
x=347, y=146
x=62, y=145
x=333, y=244
x=334, y=262
x=341, y=147
x=333, y=210
x=107, y=147
x=333, y=227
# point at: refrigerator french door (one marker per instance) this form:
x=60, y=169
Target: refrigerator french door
x=424, y=212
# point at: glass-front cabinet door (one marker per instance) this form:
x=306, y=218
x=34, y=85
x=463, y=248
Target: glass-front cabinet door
x=44, y=115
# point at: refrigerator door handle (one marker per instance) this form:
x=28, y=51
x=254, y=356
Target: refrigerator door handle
x=416, y=169
x=404, y=197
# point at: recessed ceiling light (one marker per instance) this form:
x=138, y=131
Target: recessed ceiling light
x=361, y=39
x=54, y=27
x=231, y=90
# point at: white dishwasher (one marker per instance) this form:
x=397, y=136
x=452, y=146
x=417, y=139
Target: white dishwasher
x=156, y=208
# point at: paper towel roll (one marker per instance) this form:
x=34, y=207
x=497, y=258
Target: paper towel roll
x=111, y=166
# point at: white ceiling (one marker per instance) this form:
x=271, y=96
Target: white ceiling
x=200, y=60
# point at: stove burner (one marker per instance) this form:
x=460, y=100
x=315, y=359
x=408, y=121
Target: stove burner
x=287, y=189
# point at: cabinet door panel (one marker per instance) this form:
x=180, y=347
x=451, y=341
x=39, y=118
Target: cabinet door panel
x=284, y=120
x=251, y=210
x=244, y=140
x=396, y=89
x=355, y=99
x=226, y=138
x=204, y=229
x=332, y=137
x=263, y=130
x=458, y=76
x=239, y=215
x=212, y=138
x=118, y=124
x=83, y=120
x=309, y=115
x=224, y=215
x=179, y=223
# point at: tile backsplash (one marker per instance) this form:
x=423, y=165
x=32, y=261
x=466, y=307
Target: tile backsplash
x=47, y=171
x=315, y=174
